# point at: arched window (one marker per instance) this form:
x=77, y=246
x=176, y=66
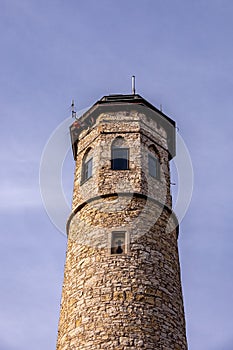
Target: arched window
x=87, y=165
x=120, y=154
x=153, y=162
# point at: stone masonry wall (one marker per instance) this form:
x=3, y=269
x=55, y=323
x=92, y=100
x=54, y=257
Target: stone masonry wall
x=131, y=300
x=132, y=127
x=128, y=301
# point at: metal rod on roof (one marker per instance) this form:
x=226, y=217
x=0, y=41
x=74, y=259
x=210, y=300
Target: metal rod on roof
x=73, y=111
x=133, y=84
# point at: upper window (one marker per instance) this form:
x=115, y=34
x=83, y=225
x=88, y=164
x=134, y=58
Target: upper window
x=153, y=163
x=87, y=166
x=120, y=154
x=87, y=169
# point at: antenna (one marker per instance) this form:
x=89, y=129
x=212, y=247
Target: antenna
x=133, y=84
x=73, y=111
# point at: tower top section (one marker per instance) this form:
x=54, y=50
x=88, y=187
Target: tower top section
x=126, y=103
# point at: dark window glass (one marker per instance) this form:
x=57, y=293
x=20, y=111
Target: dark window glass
x=154, y=166
x=118, y=243
x=87, y=169
x=120, y=158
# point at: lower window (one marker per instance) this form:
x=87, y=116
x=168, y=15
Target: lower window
x=118, y=242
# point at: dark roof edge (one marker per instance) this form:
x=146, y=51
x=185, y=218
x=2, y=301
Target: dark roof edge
x=134, y=99
x=127, y=99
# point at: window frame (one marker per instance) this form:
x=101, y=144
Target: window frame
x=125, y=241
x=113, y=159
x=87, y=167
x=155, y=159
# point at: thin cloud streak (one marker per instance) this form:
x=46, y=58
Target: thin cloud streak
x=15, y=198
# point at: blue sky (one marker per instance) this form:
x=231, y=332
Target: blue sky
x=52, y=51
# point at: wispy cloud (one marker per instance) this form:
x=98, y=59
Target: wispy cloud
x=13, y=197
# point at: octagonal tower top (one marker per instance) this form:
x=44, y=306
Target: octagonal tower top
x=116, y=103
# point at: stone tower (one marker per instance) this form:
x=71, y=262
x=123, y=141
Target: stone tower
x=122, y=287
